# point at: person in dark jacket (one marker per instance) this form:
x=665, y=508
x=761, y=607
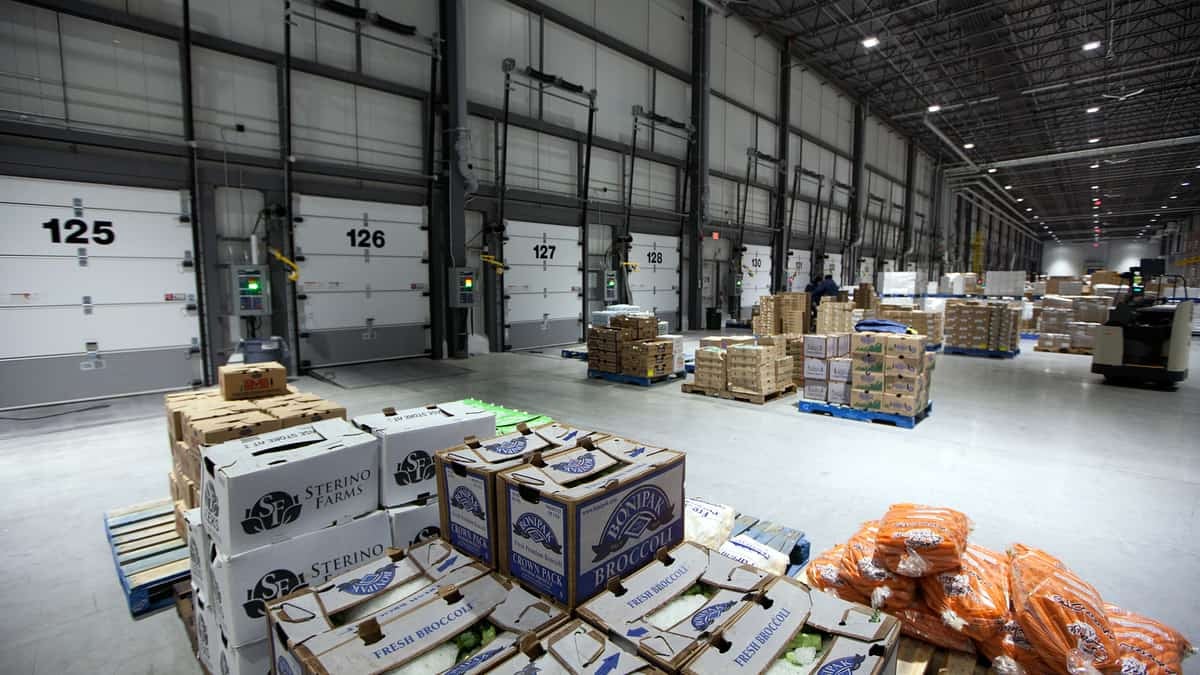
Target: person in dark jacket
x=812, y=285
x=826, y=287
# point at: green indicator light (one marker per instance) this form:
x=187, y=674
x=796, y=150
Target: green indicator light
x=611, y=283
x=253, y=285
x=468, y=282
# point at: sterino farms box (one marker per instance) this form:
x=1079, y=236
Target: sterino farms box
x=411, y=438
x=281, y=484
x=840, y=636
x=577, y=519
x=575, y=649
x=465, y=629
x=668, y=608
x=252, y=380
x=313, y=618
x=467, y=485
x=243, y=584
x=414, y=523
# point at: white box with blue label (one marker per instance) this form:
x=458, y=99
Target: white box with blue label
x=577, y=648
x=197, y=539
x=814, y=632
x=267, y=488
x=249, y=659
x=410, y=439
x=315, y=617
x=415, y=523
x=467, y=483
x=668, y=608
x=465, y=629
x=575, y=520
x=243, y=584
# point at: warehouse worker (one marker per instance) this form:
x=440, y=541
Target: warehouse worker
x=826, y=287
x=812, y=285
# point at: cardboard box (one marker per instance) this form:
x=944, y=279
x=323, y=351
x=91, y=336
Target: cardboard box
x=677, y=361
x=904, y=384
x=575, y=649
x=297, y=413
x=909, y=365
x=866, y=380
x=838, y=393
x=626, y=610
x=204, y=622
x=198, y=542
x=864, y=399
x=820, y=346
x=415, y=523
x=815, y=390
x=575, y=521
x=908, y=405
x=839, y=369
x=176, y=402
x=784, y=368
x=202, y=410
x=843, y=344
x=186, y=460
x=816, y=369
x=251, y=659
x=872, y=362
x=243, y=584
x=384, y=645
x=381, y=590
x=468, y=485
x=282, y=484
x=754, y=639
x=216, y=430
x=910, y=345
x=411, y=438
x=252, y=380
x=867, y=343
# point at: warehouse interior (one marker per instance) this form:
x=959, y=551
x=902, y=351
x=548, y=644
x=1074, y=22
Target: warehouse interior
x=418, y=202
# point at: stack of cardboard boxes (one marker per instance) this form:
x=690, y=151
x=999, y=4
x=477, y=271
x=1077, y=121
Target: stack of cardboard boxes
x=765, y=319
x=604, y=348
x=782, y=313
x=752, y=369
x=795, y=349
x=890, y=373
x=834, y=316
x=924, y=323
x=648, y=358
x=865, y=297
x=983, y=325
x=631, y=345
x=827, y=367
x=251, y=399
x=711, y=373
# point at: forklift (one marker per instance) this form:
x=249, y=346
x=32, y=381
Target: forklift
x=1145, y=340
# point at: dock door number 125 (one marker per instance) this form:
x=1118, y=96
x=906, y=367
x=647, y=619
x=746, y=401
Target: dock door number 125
x=75, y=231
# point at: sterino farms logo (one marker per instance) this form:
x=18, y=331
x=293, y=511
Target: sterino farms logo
x=512, y=446
x=842, y=666
x=272, y=510
x=465, y=500
x=643, y=510
x=704, y=618
x=371, y=583
x=532, y=527
x=581, y=464
x=417, y=467
x=212, y=510
x=272, y=586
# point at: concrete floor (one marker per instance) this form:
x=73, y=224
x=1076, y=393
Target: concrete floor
x=1034, y=449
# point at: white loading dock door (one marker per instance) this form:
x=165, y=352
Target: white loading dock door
x=833, y=266
x=756, y=276
x=364, y=281
x=655, y=284
x=542, y=285
x=99, y=292
x=799, y=269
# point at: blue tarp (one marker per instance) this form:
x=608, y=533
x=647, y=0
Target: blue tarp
x=880, y=326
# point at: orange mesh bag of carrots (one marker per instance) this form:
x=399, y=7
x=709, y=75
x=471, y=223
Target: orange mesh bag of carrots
x=1061, y=614
x=1010, y=652
x=1146, y=646
x=972, y=599
x=924, y=625
x=825, y=574
x=863, y=569
x=917, y=541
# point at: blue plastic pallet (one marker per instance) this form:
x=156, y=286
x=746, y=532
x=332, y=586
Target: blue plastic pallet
x=633, y=379
x=902, y=421
x=149, y=555
x=1029, y=336
x=988, y=353
x=575, y=354
x=689, y=367
x=791, y=542
x=933, y=348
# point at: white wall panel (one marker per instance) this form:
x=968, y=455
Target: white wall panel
x=497, y=30
x=624, y=83
x=228, y=91
x=539, y=161
x=673, y=99
x=572, y=57
x=716, y=133
x=605, y=180
x=756, y=274
x=329, y=39
x=669, y=35
x=388, y=62
x=767, y=141
x=251, y=22
x=653, y=185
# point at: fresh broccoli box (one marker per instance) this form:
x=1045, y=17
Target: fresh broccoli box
x=385, y=588
x=464, y=628
x=264, y=489
x=467, y=484
x=573, y=521
x=789, y=628
x=670, y=607
x=577, y=648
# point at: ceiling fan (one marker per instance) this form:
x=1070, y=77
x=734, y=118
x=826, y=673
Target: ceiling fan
x=1122, y=97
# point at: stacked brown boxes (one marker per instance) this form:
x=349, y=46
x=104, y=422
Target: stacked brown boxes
x=837, y=317
x=727, y=341
x=1091, y=308
x=710, y=369
x=642, y=326
x=794, y=312
x=648, y=358
x=864, y=296
x=906, y=382
x=984, y=325
x=1082, y=335
x=766, y=320
x=866, y=370
x=752, y=368
x=784, y=363
x=795, y=349
x=604, y=348
x=827, y=368
x=924, y=323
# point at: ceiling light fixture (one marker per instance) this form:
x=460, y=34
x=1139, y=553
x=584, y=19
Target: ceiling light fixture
x=1185, y=183
x=1093, y=140
x=1020, y=199
x=1097, y=166
x=992, y=170
x=1007, y=187
x=870, y=42
x=1028, y=208
x=1095, y=187
x=1093, y=109
x=934, y=108
x=1091, y=46
x=1173, y=197
x=968, y=146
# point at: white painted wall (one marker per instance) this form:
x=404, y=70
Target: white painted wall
x=1119, y=256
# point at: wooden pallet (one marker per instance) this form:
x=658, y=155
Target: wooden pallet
x=916, y=657
x=148, y=554
x=689, y=388
x=1081, y=351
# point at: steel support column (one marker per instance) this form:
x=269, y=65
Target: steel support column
x=782, y=239
x=858, y=181
x=697, y=218
x=208, y=320
x=906, y=224
x=448, y=231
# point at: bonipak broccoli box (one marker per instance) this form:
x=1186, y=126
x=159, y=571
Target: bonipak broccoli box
x=243, y=584
x=574, y=520
x=314, y=619
x=668, y=608
x=790, y=628
x=285, y=483
x=410, y=439
x=467, y=484
x=575, y=649
x=466, y=628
